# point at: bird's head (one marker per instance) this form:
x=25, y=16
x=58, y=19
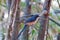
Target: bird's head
x=36, y=16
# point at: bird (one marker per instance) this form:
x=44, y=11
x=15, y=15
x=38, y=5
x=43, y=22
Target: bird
x=29, y=22
x=32, y=20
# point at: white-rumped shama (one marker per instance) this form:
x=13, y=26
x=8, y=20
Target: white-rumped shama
x=29, y=22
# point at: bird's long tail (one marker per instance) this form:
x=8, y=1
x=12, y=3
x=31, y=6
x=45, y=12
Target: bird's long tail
x=22, y=31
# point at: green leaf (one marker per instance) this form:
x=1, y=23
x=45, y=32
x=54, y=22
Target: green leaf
x=22, y=4
x=50, y=14
x=33, y=31
x=22, y=25
x=34, y=0
x=4, y=5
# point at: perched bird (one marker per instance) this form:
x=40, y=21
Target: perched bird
x=29, y=22
x=32, y=20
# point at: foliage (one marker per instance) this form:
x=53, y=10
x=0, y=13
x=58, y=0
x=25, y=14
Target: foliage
x=36, y=27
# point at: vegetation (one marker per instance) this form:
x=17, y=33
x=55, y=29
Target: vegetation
x=13, y=15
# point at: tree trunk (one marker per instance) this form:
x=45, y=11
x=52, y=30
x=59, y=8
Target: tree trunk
x=16, y=18
x=44, y=20
x=28, y=7
x=25, y=35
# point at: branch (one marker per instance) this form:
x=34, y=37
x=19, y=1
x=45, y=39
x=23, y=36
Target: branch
x=57, y=11
x=54, y=21
x=58, y=3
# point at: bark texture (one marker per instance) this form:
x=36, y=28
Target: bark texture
x=44, y=20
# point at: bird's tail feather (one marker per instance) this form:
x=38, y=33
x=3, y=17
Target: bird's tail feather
x=22, y=31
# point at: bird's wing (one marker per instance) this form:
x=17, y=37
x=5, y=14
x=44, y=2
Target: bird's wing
x=30, y=19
